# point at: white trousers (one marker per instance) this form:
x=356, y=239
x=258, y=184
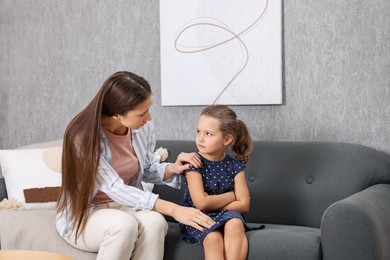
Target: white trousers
x=116, y=232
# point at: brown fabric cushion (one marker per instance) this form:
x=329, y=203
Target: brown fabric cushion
x=46, y=194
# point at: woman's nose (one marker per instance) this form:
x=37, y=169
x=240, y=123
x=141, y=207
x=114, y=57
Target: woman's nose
x=148, y=116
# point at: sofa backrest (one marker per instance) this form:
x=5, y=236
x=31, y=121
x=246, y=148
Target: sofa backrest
x=293, y=183
x=3, y=190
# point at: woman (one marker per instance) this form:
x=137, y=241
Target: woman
x=107, y=152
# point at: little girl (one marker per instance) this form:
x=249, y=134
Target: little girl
x=219, y=188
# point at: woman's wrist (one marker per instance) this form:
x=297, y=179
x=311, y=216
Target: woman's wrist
x=170, y=171
x=164, y=207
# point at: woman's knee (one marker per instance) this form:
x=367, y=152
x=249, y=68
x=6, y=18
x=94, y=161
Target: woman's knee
x=154, y=222
x=106, y=225
x=123, y=225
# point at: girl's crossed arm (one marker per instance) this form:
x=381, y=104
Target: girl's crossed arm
x=204, y=201
x=242, y=201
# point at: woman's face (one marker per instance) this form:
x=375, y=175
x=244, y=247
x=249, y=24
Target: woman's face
x=137, y=117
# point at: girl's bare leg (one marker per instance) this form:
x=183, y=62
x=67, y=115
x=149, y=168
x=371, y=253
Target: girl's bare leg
x=235, y=240
x=213, y=246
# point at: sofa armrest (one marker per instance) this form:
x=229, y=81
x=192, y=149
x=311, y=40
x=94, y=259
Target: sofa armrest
x=358, y=227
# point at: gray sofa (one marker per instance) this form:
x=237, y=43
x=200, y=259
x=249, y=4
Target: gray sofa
x=317, y=200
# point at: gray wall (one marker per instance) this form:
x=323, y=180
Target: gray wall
x=55, y=54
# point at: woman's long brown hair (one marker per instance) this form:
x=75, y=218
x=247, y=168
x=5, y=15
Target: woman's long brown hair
x=242, y=144
x=120, y=93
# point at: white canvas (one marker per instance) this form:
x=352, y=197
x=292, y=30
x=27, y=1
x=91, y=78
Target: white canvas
x=248, y=67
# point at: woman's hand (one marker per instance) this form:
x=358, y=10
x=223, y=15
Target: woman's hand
x=192, y=160
x=186, y=215
x=193, y=217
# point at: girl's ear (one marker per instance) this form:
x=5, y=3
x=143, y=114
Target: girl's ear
x=228, y=140
x=115, y=117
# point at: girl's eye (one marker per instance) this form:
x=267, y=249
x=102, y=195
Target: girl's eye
x=197, y=131
x=209, y=134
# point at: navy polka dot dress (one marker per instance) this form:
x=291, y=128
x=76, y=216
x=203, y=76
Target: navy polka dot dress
x=218, y=178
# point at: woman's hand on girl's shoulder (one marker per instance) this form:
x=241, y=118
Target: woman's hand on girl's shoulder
x=186, y=161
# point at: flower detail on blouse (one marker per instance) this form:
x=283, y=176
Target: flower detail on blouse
x=160, y=155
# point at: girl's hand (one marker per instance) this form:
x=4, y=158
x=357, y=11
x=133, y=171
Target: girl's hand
x=193, y=217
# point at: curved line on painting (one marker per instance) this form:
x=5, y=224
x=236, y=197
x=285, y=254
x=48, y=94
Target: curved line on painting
x=235, y=36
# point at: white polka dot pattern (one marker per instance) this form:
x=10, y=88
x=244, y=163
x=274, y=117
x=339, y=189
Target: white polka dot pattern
x=218, y=178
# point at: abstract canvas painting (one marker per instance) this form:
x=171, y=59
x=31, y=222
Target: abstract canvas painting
x=221, y=52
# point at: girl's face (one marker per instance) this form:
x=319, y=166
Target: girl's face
x=137, y=117
x=209, y=138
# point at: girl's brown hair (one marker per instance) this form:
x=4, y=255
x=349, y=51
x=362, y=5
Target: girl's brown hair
x=120, y=93
x=242, y=144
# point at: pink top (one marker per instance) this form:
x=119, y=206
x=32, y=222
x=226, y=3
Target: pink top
x=124, y=161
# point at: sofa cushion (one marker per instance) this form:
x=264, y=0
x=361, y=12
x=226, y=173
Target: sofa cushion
x=275, y=242
x=35, y=230
x=55, y=143
x=32, y=176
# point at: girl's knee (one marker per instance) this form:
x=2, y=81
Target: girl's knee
x=213, y=238
x=234, y=225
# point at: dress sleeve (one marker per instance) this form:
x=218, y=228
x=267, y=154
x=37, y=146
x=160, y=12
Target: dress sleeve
x=239, y=166
x=192, y=169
